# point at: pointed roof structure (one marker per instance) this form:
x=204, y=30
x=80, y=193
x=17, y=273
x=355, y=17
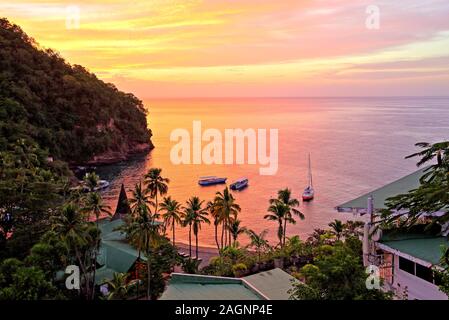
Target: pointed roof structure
x=122, y=205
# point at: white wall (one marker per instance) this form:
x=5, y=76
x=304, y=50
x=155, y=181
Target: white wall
x=417, y=287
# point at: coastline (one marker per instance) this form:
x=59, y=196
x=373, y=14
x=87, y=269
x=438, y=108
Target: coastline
x=205, y=253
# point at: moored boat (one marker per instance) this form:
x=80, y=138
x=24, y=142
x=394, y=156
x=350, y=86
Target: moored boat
x=211, y=180
x=309, y=193
x=240, y=184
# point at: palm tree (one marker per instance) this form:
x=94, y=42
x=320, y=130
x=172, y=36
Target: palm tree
x=75, y=233
x=258, y=241
x=278, y=211
x=94, y=204
x=143, y=233
x=118, y=286
x=214, y=213
x=439, y=150
x=285, y=197
x=337, y=228
x=235, y=229
x=172, y=214
x=156, y=184
x=195, y=215
x=91, y=181
x=139, y=199
x=224, y=203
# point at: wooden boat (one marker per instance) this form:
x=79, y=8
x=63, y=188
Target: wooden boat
x=211, y=180
x=240, y=184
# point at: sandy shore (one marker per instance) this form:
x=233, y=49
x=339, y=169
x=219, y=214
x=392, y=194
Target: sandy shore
x=204, y=253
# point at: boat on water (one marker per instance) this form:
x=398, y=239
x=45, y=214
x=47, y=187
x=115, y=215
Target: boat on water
x=309, y=193
x=102, y=184
x=240, y=184
x=211, y=180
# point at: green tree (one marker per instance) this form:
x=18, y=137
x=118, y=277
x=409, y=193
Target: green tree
x=225, y=205
x=336, y=274
x=195, y=216
x=278, y=211
x=235, y=229
x=285, y=196
x=337, y=228
x=156, y=185
x=118, y=286
x=172, y=214
x=142, y=232
x=258, y=241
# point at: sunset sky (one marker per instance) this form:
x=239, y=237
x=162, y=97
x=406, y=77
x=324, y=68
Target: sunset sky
x=179, y=48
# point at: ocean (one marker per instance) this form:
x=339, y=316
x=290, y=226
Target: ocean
x=356, y=145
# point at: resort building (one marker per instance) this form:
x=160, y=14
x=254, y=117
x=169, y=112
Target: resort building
x=406, y=260
x=268, y=285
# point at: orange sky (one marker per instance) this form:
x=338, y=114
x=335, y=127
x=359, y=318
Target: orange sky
x=177, y=48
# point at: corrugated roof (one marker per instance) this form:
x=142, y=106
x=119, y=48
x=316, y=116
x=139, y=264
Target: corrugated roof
x=274, y=284
x=426, y=248
x=198, y=287
x=402, y=185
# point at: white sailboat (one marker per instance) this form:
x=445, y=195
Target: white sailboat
x=308, y=193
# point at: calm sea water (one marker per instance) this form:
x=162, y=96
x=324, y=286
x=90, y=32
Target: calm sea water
x=356, y=144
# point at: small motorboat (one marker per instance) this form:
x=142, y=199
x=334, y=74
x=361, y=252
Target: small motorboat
x=211, y=180
x=102, y=184
x=240, y=184
x=309, y=193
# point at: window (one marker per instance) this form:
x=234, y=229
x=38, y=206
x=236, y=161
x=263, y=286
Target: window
x=424, y=273
x=417, y=270
x=407, y=265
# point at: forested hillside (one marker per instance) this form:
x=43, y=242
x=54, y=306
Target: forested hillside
x=65, y=109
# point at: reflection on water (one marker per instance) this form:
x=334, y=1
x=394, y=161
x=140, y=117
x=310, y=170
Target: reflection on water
x=356, y=144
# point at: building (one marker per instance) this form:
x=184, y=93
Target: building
x=405, y=259
x=268, y=285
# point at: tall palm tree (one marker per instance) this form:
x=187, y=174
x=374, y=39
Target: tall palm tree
x=143, y=233
x=172, y=214
x=337, y=228
x=285, y=196
x=195, y=215
x=258, y=241
x=139, y=199
x=215, y=214
x=225, y=204
x=94, y=204
x=278, y=211
x=75, y=233
x=235, y=229
x=156, y=185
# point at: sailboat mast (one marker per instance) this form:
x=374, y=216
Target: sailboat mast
x=310, y=173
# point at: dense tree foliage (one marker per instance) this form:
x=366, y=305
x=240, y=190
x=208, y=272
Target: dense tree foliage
x=63, y=108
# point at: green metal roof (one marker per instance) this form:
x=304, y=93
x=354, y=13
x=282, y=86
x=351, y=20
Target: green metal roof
x=103, y=274
x=402, y=185
x=197, y=287
x=274, y=284
x=420, y=246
